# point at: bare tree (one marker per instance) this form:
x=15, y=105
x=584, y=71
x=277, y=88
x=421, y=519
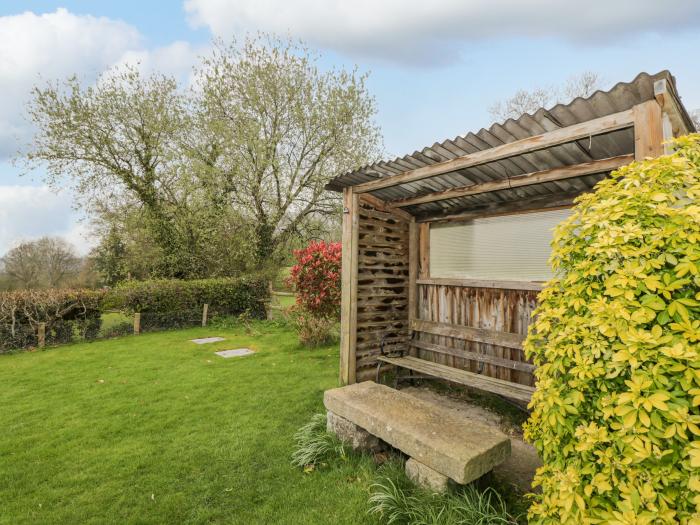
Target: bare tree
x=60, y=262
x=48, y=262
x=583, y=85
x=524, y=101
x=695, y=116
x=23, y=265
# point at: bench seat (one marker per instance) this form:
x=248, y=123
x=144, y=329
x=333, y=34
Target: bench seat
x=480, y=382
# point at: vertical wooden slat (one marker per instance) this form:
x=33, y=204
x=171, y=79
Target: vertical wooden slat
x=348, y=303
x=491, y=308
x=648, y=130
x=205, y=311
x=424, y=250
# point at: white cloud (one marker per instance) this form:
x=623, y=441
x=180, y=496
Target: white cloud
x=30, y=212
x=420, y=31
x=175, y=60
x=36, y=48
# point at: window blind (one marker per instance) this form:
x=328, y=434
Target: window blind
x=508, y=247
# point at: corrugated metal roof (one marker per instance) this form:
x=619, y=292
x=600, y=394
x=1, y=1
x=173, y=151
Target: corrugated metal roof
x=621, y=97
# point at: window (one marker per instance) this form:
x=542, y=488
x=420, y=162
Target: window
x=509, y=247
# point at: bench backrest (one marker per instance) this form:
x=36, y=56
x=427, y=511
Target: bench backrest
x=470, y=334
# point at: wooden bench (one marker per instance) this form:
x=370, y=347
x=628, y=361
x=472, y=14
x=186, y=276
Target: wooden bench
x=479, y=381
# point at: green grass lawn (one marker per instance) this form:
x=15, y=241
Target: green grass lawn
x=286, y=301
x=155, y=429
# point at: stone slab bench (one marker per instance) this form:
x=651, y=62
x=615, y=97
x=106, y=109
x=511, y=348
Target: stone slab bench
x=435, y=437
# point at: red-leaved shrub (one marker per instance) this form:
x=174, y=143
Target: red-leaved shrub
x=316, y=279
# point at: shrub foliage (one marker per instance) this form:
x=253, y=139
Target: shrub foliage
x=397, y=500
x=312, y=330
x=316, y=278
x=617, y=406
x=67, y=314
x=174, y=303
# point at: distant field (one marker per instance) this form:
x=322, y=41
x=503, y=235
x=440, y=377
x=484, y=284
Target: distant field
x=112, y=319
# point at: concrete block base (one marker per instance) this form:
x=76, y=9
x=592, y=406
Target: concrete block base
x=349, y=433
x=426, y=477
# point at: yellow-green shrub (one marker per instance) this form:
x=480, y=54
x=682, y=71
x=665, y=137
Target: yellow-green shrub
x=616, y=412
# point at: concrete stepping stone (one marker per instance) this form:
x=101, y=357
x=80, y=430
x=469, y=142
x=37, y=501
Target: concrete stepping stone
x=206, y=340
x=238, y=352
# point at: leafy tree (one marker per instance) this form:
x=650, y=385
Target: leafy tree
x=110, y=258
x=119, y=141
x=283, y=129
x=213, y=179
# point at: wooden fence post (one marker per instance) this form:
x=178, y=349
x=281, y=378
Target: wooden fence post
x=41, y=335
x=205, y=310
x=137, y=323
x=268, y=304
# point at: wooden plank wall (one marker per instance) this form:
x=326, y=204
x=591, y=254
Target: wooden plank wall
x=490, y=308
x=382, y=283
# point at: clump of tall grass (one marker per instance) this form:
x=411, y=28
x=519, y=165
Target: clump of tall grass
x=315, y=445
x=396, y=500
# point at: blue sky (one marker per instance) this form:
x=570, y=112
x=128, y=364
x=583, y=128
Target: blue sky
x=435, y=66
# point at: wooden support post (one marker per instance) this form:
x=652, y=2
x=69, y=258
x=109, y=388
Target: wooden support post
x=137, y=323
x=205, y=310
x=648, y=130
x=413, y=262
x=424, y=250
x=348, y=303
x=41, y=335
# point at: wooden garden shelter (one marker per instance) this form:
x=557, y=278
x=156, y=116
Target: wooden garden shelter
x=443, y=249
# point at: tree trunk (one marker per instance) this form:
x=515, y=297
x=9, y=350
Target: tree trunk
x=264, y=243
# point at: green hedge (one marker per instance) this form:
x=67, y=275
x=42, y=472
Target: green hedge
x=76, y=314
x=68, y=314
x=174, y=303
